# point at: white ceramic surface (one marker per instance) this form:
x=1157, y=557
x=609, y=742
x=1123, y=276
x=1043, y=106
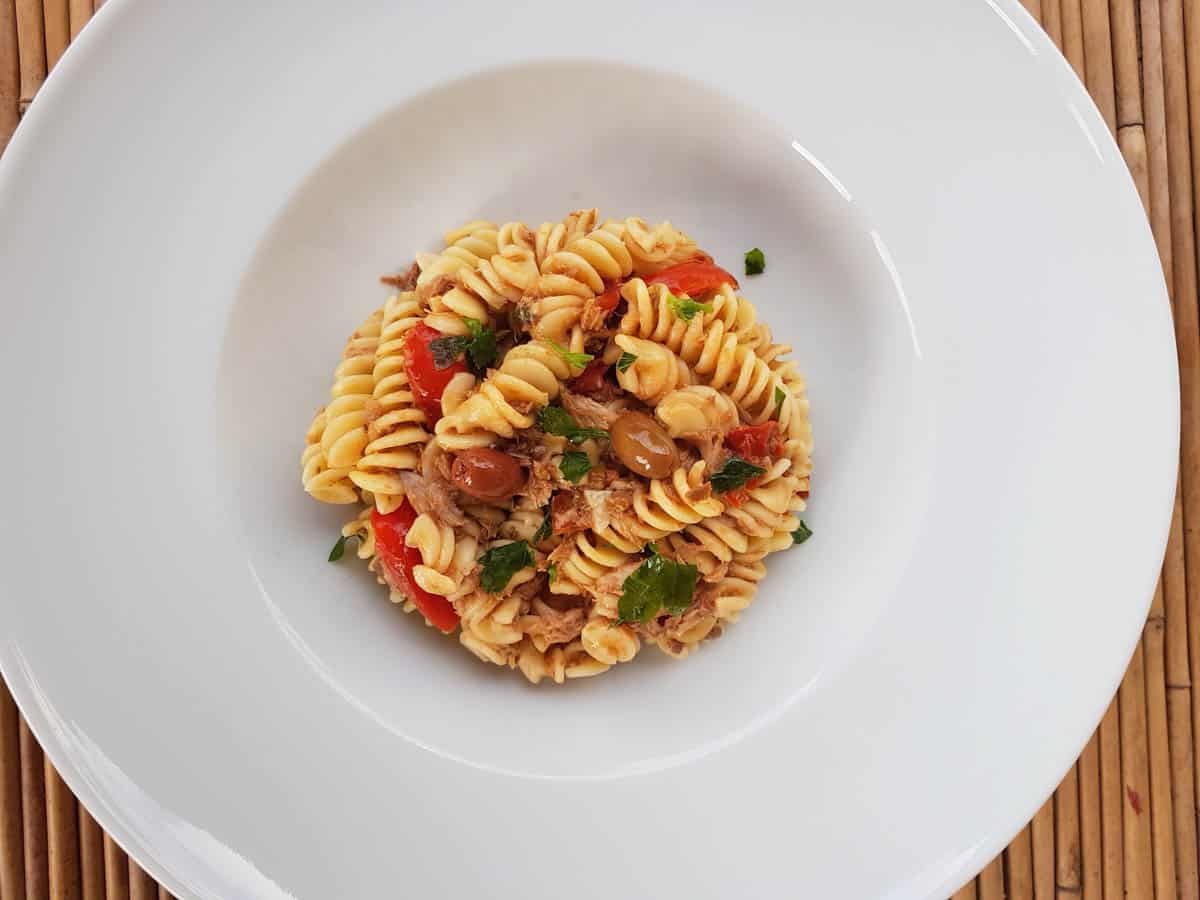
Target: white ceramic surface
x=193, y=216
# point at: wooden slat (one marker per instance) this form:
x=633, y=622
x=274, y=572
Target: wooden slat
x=1018, y=866
x=1126, y=74
x=62, y=827
x=33, y=812
x=116, y=871
x=1072, y=28
x=91, y=856
x=79, y=12
x=1135, y=772
x=1162, y=818
x=1091, y=846
x=12, y=845
x=141, y=885
x=1097, y=53
x=31, y=48
x=1034, y=7
x=10, y=73
x=1042, y=832
x=991, y=880
x=966, y=892
x=1052, y=21
x=1112, y=803
x=57, y=21
x=1068, y=878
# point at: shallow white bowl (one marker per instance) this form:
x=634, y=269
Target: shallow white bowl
x=192, y=218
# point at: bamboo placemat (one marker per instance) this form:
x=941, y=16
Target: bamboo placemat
x=1123, y=821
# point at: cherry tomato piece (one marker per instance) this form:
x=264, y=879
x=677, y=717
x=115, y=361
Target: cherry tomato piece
x=755, y=441
x=427, y=380
x=399, y=560
x=694, y=278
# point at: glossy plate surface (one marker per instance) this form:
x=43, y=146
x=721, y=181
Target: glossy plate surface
x=194, y=215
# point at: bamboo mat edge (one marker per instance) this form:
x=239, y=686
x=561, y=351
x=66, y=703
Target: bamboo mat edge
x=1123, y=821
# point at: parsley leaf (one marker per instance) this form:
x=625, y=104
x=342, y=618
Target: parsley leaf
x=657, y=584
x=574, y=465
x=479, y=346
x=756, y=262
x=556, y=420
x=627, y=359
x=500, y=564
x=543, y=531
x=734, y=474
x=801, y=534
x=578, y=360
x=339, y=549
x=686, y=308
x=553, y=572
x=482, y=347
x=780, y=396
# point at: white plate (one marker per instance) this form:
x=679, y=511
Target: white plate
x=193, y=216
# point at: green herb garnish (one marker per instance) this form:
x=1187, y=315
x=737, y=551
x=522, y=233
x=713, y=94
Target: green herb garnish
x=543, y=531
x=734, y=474
x=657, y=584
x=339, y=549
x=553, y=572
x=574, y=465
x=780, y=396
x=500, y=564
x=801, y=534
x=556, y=420
x=686, y=308
x=479, y=347
x=756, y=262
x=627, y=359
x=578, y=360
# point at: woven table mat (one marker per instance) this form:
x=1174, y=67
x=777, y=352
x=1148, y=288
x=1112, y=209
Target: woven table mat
x=1123, y=821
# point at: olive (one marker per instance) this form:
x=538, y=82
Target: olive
x=643, y=446
x=487, y=474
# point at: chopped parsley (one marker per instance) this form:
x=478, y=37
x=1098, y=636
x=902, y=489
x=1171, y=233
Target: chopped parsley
x=578, y=360
x=780, y=396
x=627, y=359
x=574, y=465
x=500, y=564
x=339, y=549
x=734, y=474
x=553, y=572
x=801, y=534
x=756, y=262
x=556, y=420
x=657, y=584
x=479, y=347
x=686, y=308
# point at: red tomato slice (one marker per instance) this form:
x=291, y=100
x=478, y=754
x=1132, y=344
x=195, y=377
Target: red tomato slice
x=427, y=380
x=610, y=298
x=398, y=563
x=694, y=278
x=752, y=442
x=590, y=379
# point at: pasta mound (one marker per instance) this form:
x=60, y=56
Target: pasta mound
x=566, y=442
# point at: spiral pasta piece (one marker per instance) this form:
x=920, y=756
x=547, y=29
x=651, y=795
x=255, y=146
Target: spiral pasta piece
x=655, y=372
x=694, y=409
x=572, y=275
x=608, y=643
x=653, y=247
x=337, y=436
x=589, y=561
x=665, y=506
x=395, y=426
x=466, y=247
x=445, y=559
x=558, y=663
x=530, y=376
